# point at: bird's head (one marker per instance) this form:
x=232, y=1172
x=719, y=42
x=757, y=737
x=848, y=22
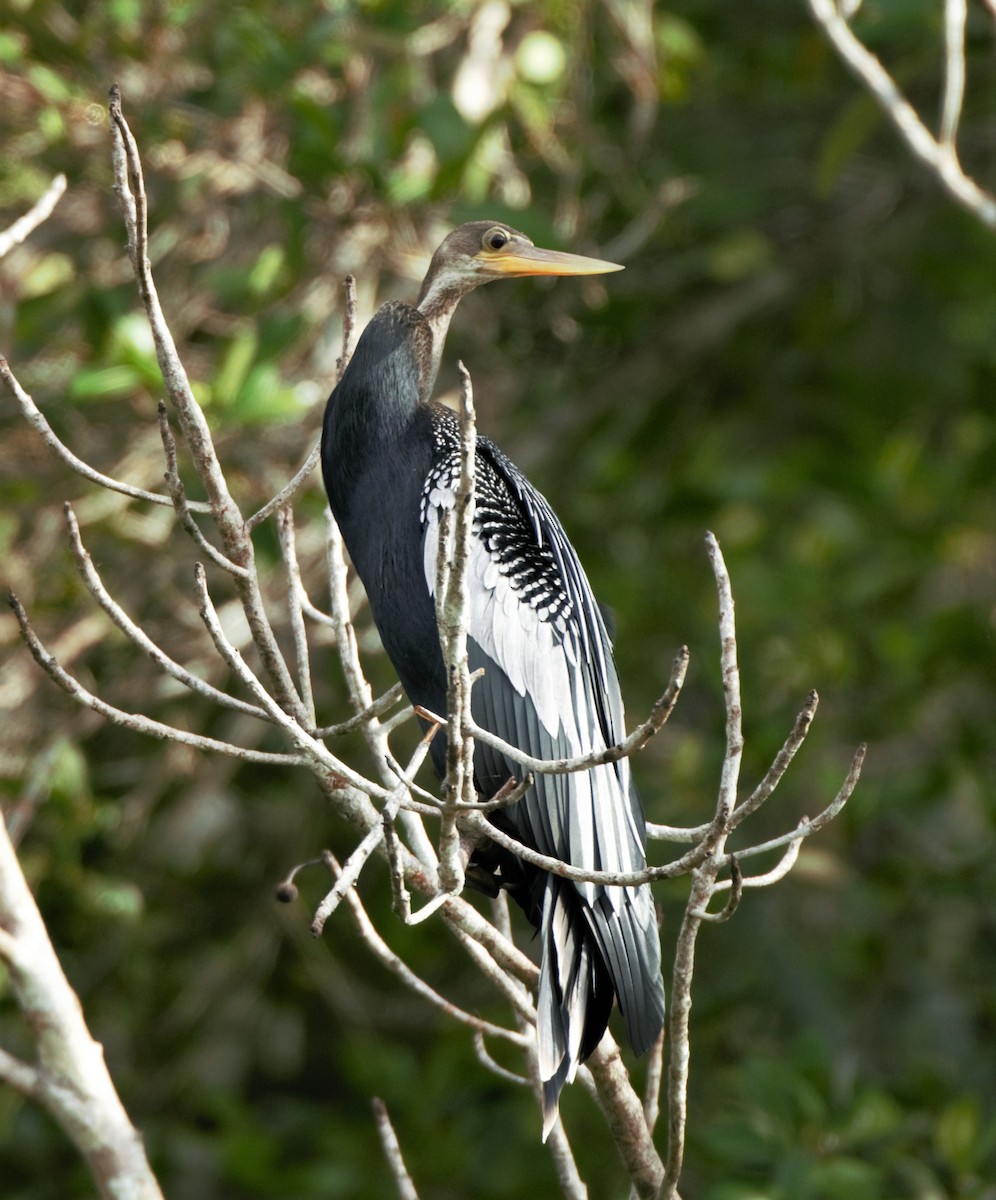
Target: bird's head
x=481, y=251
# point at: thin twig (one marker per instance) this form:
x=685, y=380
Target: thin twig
x=129, y=185
x=95, y=586
x=397, y=966
x=36, y=419
x=630, y=745
x=761, y=793
x=311, y=748
x=36, y=215
x=134, y=721
x=485, y=1059
x=178, y=495
x=348, y=328
x=939, y=157
x=955, y=16
x=703, y=879
x=392, y=1152
x=376, y=708
x=655, y=1077
x=371, y=841
x=295, y=617
x=288, y=491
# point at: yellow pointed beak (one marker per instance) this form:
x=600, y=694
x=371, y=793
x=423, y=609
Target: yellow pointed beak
x=531, y=260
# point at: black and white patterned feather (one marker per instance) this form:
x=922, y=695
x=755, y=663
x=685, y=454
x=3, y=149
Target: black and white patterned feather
x=550, y=688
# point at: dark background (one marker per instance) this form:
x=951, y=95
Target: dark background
x=800, y=356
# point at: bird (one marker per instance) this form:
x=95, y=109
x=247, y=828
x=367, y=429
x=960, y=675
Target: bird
x=390, y=462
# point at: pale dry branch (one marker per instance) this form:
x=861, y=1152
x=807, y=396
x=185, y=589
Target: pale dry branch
x=21, y=1076
x=398, y=967
x=95, y=586
x=36, y=419
x=70, y=1077
x=655, y=1077
x=348, y=875
x=392, y=1152
x=377, y=708
x=955, y=16
x=312, y=750
x=134, y=721
x=761, y=793
x=456, y=529
x=295, y=615
x=623, y=1111
x=938, y=156
x=485, y=1059
x=777, y=872
x=703, y=880
x=632, y=744
x=348, y=328
x=129, y=185
x=36, y=215
x=178, y=495
x=287, y=493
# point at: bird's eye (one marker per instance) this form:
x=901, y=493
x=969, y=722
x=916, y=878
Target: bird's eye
x=495, y=239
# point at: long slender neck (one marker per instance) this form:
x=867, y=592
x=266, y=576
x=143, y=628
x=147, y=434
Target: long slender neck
x=441, y=292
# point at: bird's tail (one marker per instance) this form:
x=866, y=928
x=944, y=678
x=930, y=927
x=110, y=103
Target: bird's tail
x=590, y=953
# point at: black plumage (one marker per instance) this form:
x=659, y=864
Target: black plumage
x=390, y=459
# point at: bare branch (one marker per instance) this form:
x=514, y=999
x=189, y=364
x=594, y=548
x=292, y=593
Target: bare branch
x=133, y=721
x=392, y=1152
x=703, y=879
x=71, y=1078
x=655, y=1077
x=780, y=764
x=348, y=328
x=95, y=586
x=955, y=16
x=21, y=1076
x=806, y=827
x=736, y=885
x=397, y=966
x=376, y=708
x=288, y=491
x=662, y=709
x=938, y=156
x=129, y=185
x=178, y=495
x=36, y=215
x=453, y=617
x=36, y=419
x=731, y=690
x=312, y=750
x=624, y=1114
x=762, y=792
x=295, y=617
x=485, y=1059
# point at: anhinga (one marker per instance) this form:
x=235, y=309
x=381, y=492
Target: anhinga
x=390, y=462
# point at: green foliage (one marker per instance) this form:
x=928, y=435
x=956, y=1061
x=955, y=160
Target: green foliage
x=799, y=356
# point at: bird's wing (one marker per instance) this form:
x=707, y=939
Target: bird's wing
x=551, y=689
